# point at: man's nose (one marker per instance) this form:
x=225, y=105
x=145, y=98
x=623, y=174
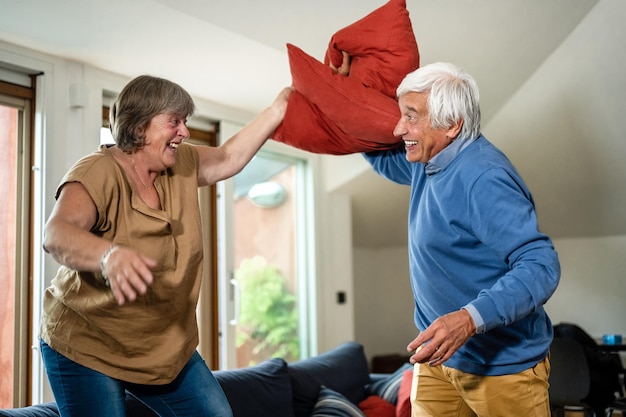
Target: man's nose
x=400, y=129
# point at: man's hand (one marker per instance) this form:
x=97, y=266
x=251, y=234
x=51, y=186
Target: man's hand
x=344, y=69
x=442, y=338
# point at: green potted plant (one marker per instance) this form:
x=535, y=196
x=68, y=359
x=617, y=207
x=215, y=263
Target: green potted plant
x=268, y=320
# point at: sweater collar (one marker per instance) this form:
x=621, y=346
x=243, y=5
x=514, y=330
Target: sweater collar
x=443, y=158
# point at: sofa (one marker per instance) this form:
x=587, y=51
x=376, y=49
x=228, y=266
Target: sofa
x=335, y=383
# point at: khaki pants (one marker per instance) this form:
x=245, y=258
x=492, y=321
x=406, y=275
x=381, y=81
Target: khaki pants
x=445, y=392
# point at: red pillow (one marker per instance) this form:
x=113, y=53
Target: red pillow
x=345, y=115
x=375, y=406
x=403, y=406
x=382, y=47
x=306, y=127
x=355, y=113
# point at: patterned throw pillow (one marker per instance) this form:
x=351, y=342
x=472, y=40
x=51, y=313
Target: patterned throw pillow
x=332, y=404
x=388, y=388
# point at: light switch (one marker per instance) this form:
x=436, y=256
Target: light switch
x=341, y=297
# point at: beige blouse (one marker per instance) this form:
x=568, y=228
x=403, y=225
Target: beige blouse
x=147, y=341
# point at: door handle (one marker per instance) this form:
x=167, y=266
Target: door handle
x=236, y=297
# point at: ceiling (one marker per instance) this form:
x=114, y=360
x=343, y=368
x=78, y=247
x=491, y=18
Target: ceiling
x=233, y=52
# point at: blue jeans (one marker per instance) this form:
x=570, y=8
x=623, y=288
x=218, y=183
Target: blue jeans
x=80, y=391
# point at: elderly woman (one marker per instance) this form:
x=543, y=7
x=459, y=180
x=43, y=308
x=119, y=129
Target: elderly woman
x=120, y=313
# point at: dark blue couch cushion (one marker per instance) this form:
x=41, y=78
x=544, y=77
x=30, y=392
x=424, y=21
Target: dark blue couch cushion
x=343, y=369
x=39, y=410
x=263, y=390
x=134, y=408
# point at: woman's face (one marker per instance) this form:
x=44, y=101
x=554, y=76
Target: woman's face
x=162, y=137
x=421, y=141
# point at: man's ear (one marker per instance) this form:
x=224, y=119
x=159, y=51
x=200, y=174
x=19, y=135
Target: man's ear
x=455, y=129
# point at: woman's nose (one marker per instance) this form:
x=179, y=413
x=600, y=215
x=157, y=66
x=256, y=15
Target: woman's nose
x=183, y=131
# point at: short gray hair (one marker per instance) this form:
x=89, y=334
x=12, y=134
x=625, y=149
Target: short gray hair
x=140, y=100
x=453, y=96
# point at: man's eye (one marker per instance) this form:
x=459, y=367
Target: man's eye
x=411, y=118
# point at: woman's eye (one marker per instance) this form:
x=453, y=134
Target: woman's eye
x=177, y=122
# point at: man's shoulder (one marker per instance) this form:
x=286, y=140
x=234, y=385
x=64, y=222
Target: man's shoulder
x=482, y=153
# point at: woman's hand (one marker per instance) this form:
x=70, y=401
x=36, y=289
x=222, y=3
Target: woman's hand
x=279, y=105
x=128, y=273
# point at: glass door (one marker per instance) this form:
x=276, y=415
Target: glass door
x=14, y=256
x=272, y=261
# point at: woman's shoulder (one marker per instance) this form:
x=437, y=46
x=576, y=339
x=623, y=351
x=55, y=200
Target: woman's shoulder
x=187, y=151
x=98, y=167
x=187, y=160
x=95, y=160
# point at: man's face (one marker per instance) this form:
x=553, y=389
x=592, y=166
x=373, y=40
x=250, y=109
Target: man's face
x=421, y=140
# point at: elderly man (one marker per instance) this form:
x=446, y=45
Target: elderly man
x=480, y=268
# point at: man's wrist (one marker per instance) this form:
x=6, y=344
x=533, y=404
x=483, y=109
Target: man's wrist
x=479, y=323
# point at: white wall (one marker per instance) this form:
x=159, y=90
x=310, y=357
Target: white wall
x=335, y=321
x=592, y=291
x=383, y=318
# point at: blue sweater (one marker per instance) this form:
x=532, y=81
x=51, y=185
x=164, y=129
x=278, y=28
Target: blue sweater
x=474, y=241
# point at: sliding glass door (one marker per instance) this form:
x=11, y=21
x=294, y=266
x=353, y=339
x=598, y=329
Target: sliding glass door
x=14, y=250
x=271, y=279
